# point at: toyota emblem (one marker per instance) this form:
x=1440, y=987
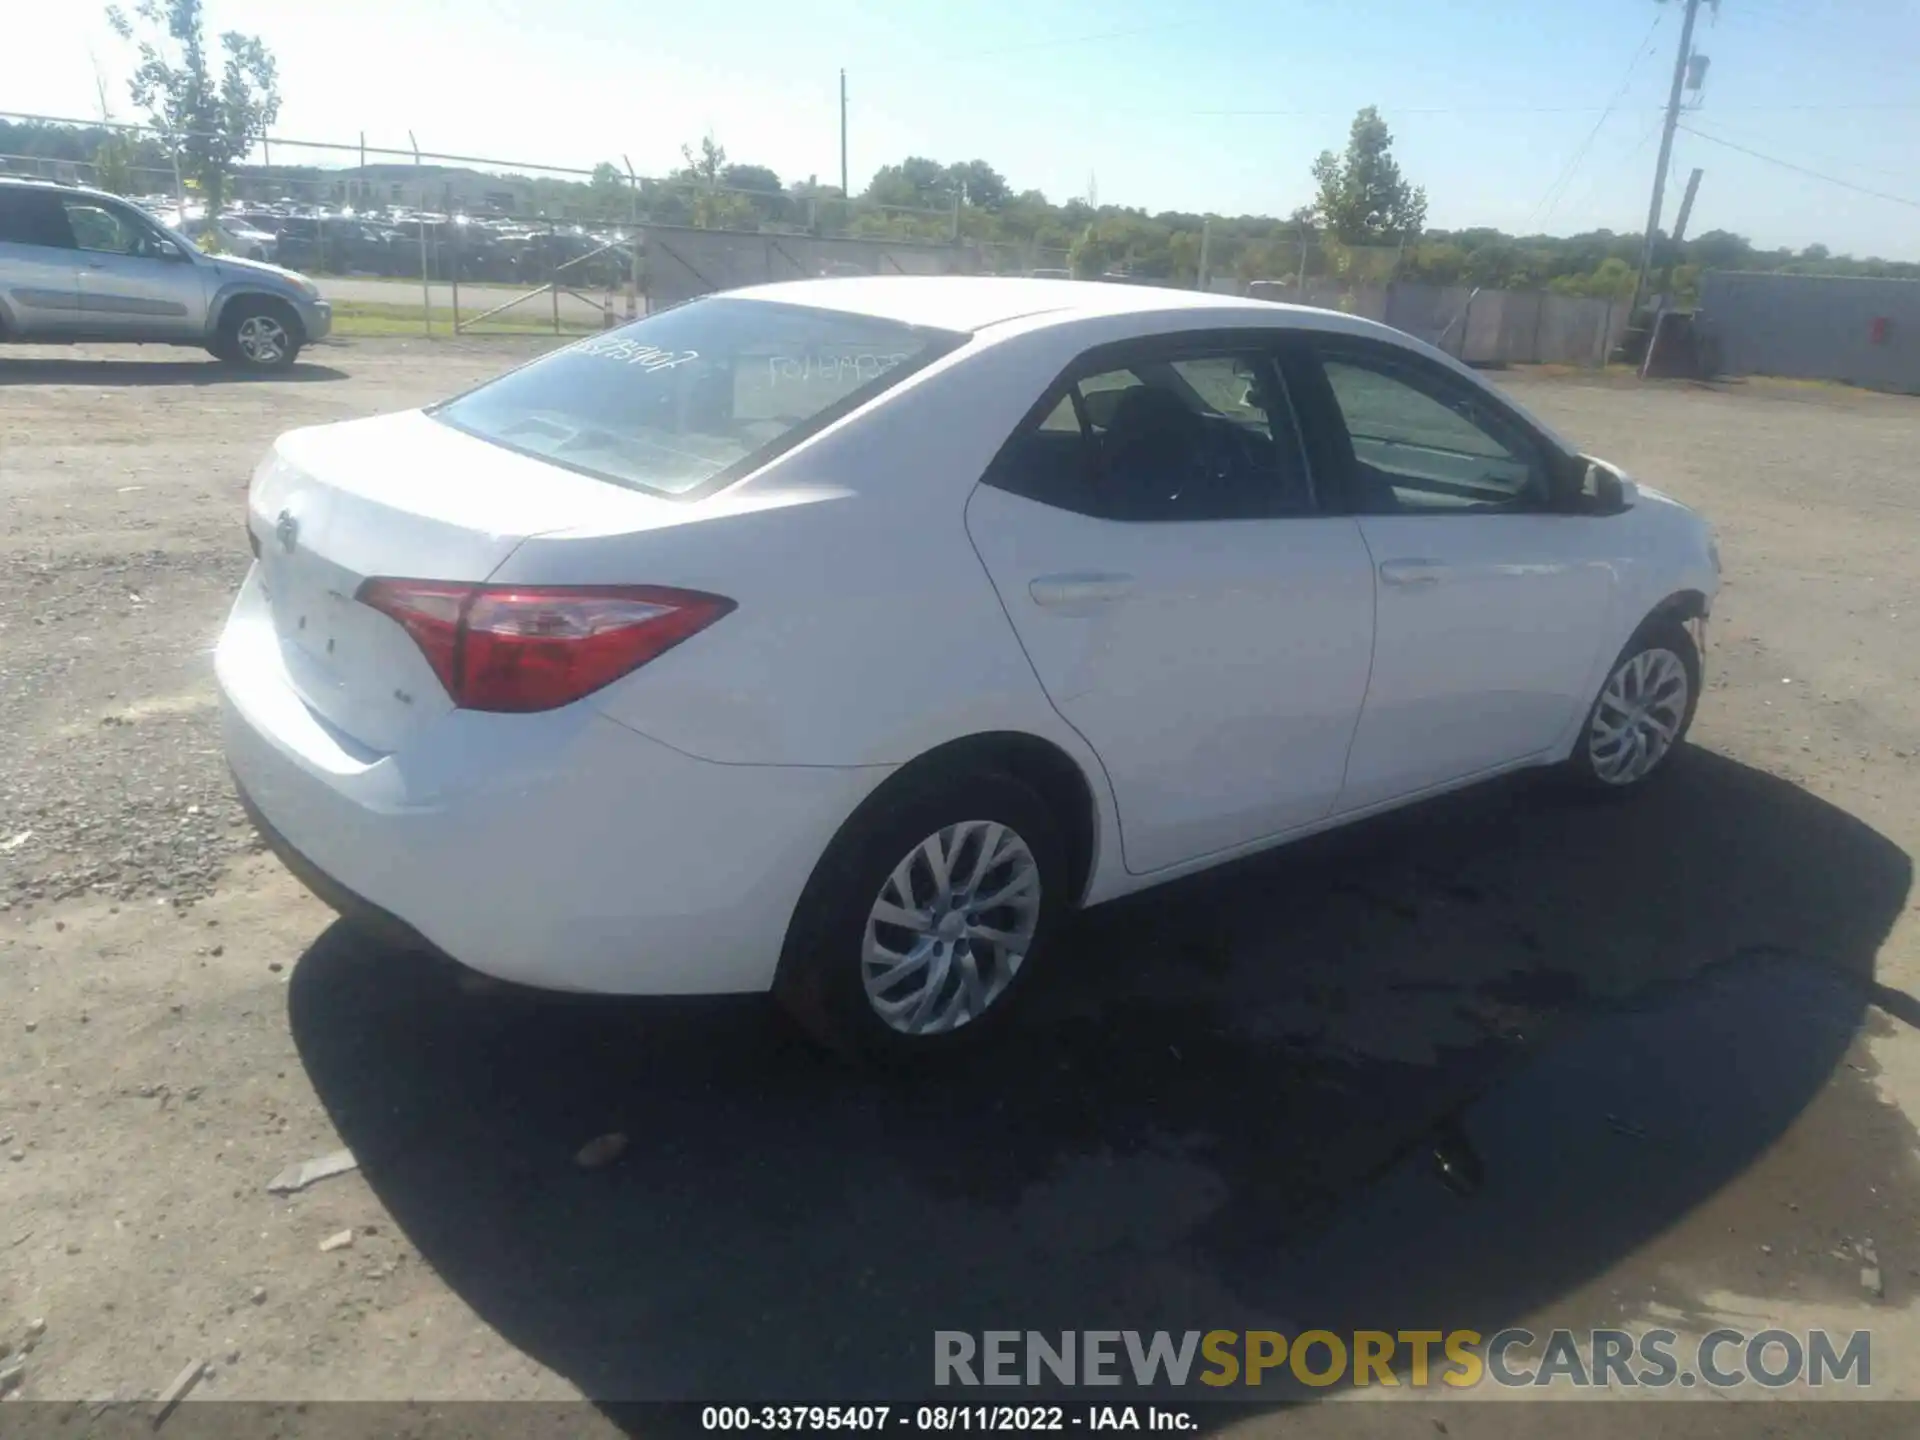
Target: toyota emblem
x=286, y=530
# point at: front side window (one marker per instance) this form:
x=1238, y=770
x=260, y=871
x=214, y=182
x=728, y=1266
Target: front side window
x=109, y=231
x=696, y=394
x=1424, y=443
x=1182, y=438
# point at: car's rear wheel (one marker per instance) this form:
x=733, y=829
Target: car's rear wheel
x=258, y=334
x=1643, y=712
x=923, y=922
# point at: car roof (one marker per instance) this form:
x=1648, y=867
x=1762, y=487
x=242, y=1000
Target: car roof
x=968, y=303
x=971, y=303
x=62, y=187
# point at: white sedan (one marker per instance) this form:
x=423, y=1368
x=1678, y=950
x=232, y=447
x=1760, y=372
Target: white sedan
x=839, y=638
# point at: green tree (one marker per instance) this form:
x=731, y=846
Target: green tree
x=608, y=191
x=1363, y=199
x=712, y=208
x=706, y=165
x=752, y=177
x=211, y=121
x=1089, y=256
x=113, y=165
x=984, y=186
x=915, y=183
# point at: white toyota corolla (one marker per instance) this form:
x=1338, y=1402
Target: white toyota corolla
x=838, y=638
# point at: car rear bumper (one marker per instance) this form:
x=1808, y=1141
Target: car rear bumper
x=559, y=850
x=384, y=925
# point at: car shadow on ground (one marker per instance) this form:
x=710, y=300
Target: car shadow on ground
x=1221, y=1112
x=66, y=370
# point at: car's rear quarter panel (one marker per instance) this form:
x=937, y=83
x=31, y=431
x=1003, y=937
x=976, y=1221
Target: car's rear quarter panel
x=866, y=631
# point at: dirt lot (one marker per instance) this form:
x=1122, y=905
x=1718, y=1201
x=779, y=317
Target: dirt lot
x=1678, y=1036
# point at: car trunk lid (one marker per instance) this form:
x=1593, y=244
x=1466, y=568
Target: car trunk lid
x=398, y=496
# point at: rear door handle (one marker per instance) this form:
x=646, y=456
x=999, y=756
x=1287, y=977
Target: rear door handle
x=1089, y=588
x=1409, y=574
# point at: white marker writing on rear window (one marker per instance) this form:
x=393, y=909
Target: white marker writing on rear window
x=649, y=357
x=803, y=369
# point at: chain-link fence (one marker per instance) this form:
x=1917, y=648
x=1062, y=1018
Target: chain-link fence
x=424, y=240
x=412, y=241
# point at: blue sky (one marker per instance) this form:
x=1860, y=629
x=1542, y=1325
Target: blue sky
x=1171, y=104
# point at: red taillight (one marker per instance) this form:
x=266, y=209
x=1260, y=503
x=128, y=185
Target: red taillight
x=509, y=648
x=430, y=611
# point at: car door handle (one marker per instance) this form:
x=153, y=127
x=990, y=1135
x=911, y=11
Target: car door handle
x=1090, y=588
x=1411, y=573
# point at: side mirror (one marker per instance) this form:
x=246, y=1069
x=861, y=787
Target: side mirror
x=1603, y=492
x=1608, y=492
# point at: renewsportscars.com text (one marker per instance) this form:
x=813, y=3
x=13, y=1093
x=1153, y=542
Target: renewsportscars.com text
x=1460, y=1359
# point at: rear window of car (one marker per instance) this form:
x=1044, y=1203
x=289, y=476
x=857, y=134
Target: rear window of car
x=697, y=395
x=33, y=217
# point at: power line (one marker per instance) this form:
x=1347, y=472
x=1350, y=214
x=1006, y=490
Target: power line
x=1802, y=169
x=1651, y=129
x=1556, y=189
x=1825, y=158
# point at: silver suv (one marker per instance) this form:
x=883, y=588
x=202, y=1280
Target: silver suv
x=78, y=264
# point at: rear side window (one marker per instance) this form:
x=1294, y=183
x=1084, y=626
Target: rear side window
x=1181, y=436
x=697, y=395
x=32, y=217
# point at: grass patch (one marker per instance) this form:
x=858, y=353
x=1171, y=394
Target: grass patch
x=374, y=319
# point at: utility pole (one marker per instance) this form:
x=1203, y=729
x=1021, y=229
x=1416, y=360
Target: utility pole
x=1666, y=152
x=1686, y=206
x=845, y=193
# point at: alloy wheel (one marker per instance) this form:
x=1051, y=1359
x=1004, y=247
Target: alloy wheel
x=261, y=339
x=950, y=927
x=1639, y=716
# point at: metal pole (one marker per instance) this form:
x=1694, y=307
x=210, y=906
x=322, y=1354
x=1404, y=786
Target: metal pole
x=1200, y=276
x=845, y=193
x=1686, y=207
x=633, y=242
x=457, y=234
x=553, y=275
x=426, y=288
x=1666, y=153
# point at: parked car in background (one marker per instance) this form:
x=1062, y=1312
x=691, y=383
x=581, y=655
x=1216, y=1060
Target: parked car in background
x=841, y=637
x=78, y=264
x=234, y=236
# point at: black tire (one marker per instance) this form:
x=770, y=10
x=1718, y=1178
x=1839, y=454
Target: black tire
x=1591, y=766
x=233, y=343
x=820, y=980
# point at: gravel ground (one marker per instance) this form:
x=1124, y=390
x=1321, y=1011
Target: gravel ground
x=178, y=1020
